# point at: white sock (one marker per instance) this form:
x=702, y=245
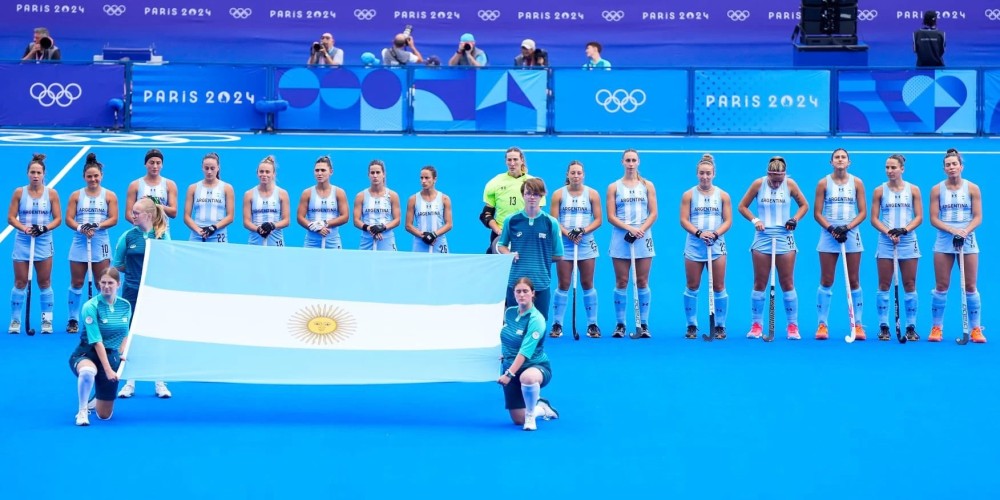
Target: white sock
x=85, y=384
x=531, y=393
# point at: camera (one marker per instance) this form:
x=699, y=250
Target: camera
x=317, y=47
x=45, y=43
x=407, y=31
x=467, y=47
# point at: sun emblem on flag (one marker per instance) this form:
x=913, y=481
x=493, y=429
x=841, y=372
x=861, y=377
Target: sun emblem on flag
x=322, y=325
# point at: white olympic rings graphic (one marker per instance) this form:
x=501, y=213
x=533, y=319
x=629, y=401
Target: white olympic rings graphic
x=620, y=100
x=114, y=10
x=613, y=16
x=240, y=12
x=738, y=15
x=867, y=14
x=365, y=14
x=489, y=15
x=992, y=14
x=35, y=138
x=55, y=94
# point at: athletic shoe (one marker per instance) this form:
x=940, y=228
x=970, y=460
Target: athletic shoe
x=644, y=332
x=883, y=332
x=161, y=390
x=529, y=422
x=15, y=326
x=822, y=332
x=720, y=333
x=619, y=331
x=692, y=332
x=547, y=411
x=793, y=332
x=127, y=391
x=83, y=418
x=556, y=331
x=977, y=335
x=92, y=403
x=593, y=331
x=859, y=332
x=936, y=334
x=46, y=326
x=73, y=326
x=911, y=333
x=756, y=331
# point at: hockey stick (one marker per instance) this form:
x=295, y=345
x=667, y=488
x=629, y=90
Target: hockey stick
x=711, y=299
x=576, y=271
x=847, y=286
x=965, y=303
x=895, y=292
x=27, y=305
x=90, y=269
x=770, y=307
x=635, y=295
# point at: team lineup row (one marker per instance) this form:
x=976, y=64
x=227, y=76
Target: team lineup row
x=706, y=214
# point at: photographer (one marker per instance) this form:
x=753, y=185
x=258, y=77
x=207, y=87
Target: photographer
x=43, y=48
x=531, y=55
x=397, y=55
x=324, y=53
x=467, y=53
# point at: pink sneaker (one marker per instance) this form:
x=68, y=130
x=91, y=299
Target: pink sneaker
x=756, y=331
x=793, y=332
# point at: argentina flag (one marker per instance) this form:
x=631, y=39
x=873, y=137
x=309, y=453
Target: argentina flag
x=283, y=315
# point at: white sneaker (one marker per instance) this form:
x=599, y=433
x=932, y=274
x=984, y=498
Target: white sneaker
x=92, y=404
x=83, y=418
x=545, y=410
x=46, y=326
x=529, y=422
x=162, y=391
x=127, y=391
x=15, y=326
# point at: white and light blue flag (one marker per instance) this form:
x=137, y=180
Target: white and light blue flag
x=273, y=315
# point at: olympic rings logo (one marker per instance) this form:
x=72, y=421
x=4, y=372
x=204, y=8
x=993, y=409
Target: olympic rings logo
x=489, y=15
x=114, y=10
x=240, y=12
x=365, y=14
x=620, y=100
x=992, y=14
x=867, y=15
x=55, y=93
x=613, y=16
x=738, y=15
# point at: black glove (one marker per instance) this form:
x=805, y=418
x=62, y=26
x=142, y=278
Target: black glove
x=899, y=231
x=376, y=229
x=630, y=238
x=265, y=229
x=429, y=237
x=90, y=226
x=37, y=230
x=207, y=231
x=840, y=234
x=958, y=241
x=791, y=224
x=576, y=233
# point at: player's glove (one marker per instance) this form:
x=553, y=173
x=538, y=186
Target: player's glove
x=576, y=233
x=899, y=231
x=38, y=230
x=630, y=238
x=791, y=224
x=958, y=241
x=429, y=237
x=840, y=234
x=376, y=229
x=316, y=226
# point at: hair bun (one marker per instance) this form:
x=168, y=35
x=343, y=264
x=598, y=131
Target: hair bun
x=38, y=157
x=92, y=158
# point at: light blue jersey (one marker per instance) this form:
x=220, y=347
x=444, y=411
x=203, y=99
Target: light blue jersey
x=774, y=205
x=577, y=212
x=840, y=206
x=428, y=216
x=91, y=210
x=632, y=208
x=266, y=210
x=896, y=211
x=706, y=215
x=955, y=209
x=323, y=209
x=377, y=210
x=32, y=211
x=208, y=208
x=158, y=191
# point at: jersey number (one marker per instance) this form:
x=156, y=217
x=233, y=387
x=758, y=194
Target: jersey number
x=513, y=201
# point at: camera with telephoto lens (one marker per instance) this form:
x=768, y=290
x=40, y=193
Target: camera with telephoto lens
x=317, y=47
x=467, y=47
x=407, y=31
x=45, y=43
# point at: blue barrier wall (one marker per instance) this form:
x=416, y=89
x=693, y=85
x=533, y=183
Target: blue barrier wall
x=559, y=100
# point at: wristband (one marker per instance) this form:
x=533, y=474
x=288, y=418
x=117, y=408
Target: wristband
x=754, y=221
x=364, y=227
x=508, y=374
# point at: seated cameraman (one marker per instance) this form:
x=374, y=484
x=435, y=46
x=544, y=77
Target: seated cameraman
x=468, y=54
x=397, y=55
x=43, y=48
x=530, y=55
x=324, y=53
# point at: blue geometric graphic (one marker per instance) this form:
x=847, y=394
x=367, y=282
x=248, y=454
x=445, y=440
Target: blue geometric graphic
x=365, y=99
x=911, y=101
x=491, y=100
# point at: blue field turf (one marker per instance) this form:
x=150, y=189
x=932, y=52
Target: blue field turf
x=665, y=418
